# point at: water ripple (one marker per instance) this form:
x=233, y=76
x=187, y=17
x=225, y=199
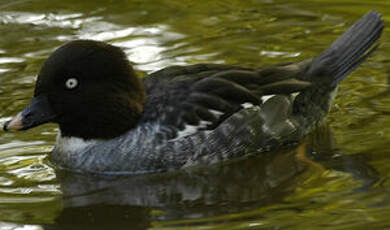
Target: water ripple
x=50, y=20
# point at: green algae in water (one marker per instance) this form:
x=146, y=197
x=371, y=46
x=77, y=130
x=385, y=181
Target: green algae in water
x=347, y=188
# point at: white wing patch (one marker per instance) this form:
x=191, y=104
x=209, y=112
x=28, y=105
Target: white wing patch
x=294, y=95
x=216, y=112
x=266, y=97
x=191, y=129
x=247, y=105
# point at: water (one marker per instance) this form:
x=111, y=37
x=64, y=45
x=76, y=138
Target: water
x=337, y=178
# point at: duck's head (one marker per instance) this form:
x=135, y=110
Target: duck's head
x=89, y=89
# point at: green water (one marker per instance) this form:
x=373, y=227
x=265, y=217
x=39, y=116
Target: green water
x=342, y=183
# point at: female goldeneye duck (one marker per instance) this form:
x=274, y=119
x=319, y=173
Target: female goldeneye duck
x=112, y=122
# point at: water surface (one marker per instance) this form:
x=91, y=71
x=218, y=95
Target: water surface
x=337, y=178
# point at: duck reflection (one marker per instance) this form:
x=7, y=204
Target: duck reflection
x=230, y=187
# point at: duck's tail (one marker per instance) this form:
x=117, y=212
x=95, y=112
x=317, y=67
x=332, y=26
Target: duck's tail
x=331, y=66
x=347, y=52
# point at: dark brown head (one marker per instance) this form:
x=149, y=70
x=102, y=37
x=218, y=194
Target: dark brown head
x=89, y=89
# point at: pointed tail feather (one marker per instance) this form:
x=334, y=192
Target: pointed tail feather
x=348, y=51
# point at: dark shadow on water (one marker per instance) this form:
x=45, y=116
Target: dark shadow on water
x=186, y=194
x=323, y=149
x=237, y=186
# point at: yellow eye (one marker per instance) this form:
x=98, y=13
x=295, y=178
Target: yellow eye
x=71, y=83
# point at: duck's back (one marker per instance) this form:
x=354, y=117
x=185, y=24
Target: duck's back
x=204, y=113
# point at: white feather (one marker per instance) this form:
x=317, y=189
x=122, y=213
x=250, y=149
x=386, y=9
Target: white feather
x=216, y=112
x=266, y=97
x=204, y=124
x=191, y=129
x=247, y=105
x=72, y=144
x=290, y=123
x=294, y=95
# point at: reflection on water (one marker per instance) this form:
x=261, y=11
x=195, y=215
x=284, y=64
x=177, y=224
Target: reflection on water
x=181, y=198
x=52, y=20
x=318, y=185
x=198, y=195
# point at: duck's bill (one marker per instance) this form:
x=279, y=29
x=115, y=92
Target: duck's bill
x=37, y=113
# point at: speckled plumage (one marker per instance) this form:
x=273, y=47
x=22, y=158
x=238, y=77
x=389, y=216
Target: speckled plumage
x=181, y=116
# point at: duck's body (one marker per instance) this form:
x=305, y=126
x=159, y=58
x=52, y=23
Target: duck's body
x=184, y=116
x=167, y=141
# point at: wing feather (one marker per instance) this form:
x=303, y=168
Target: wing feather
x=199, y=97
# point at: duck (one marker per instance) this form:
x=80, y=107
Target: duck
x=112, y=122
